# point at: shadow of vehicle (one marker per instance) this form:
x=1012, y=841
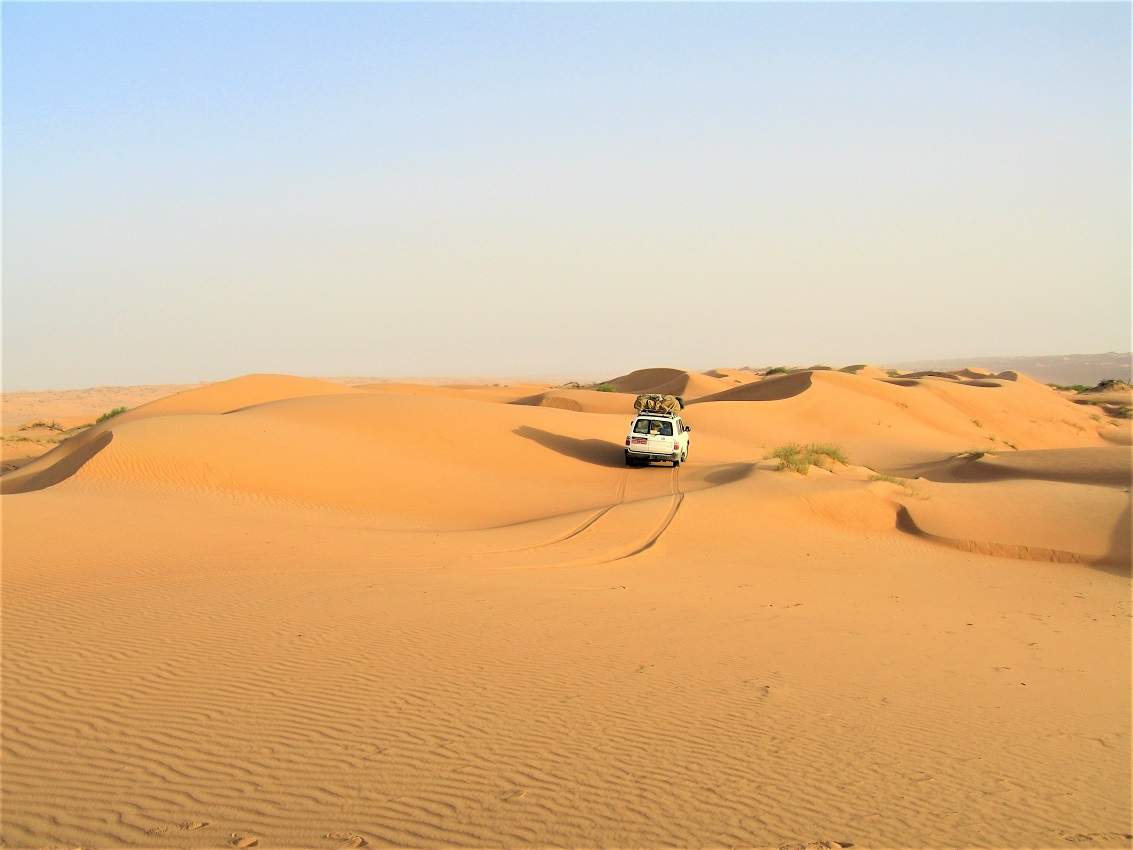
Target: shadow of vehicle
x=598, y=452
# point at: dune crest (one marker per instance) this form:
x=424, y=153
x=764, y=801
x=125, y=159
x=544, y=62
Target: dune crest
x=669, y=381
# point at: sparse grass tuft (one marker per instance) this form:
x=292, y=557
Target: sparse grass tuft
x=110, y=414
x=799, y=458
x=776, y=370
x=893, y=373
x=903, y=483
x=606, y=388
x=1123, y=412
x=42, y=423
x=829, y=450
x=1073, y=388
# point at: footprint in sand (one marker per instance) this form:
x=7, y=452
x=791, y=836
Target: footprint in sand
x=347, y=839
x=242, y=841
x=192, y=825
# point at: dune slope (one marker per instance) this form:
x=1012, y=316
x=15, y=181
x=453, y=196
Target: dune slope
x=281, y=612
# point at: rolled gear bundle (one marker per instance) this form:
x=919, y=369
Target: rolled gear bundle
x=656, y=403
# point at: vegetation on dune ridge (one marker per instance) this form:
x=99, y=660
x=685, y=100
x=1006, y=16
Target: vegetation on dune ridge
x=799, y=458
x=776, y=370
x=903, y=483
x=606, y=388
x=110, y=414
x=1104, y=386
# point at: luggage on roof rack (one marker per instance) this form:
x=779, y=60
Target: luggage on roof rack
x=657, y=403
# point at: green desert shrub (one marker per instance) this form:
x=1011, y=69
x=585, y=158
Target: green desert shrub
x=777, y=370
x=606, y=388
x=110, y=414
x=904, y=483
x=799, y=458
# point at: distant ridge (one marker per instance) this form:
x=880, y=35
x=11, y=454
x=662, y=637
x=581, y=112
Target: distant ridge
x=1049, y=368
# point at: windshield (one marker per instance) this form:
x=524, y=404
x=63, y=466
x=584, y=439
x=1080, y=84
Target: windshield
x=655, y=427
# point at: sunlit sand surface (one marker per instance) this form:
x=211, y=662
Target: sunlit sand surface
x=285, y=611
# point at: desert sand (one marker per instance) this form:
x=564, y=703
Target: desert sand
x=282, y=611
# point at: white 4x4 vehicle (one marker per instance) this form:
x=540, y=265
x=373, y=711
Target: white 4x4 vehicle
x=657, y=436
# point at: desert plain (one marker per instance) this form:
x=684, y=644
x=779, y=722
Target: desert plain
x=283, y=611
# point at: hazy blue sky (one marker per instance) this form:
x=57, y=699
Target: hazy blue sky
x=199, y=191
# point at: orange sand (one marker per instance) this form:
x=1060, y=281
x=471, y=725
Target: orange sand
x=303, y=613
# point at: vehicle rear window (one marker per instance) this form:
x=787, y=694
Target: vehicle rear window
x=653, y=426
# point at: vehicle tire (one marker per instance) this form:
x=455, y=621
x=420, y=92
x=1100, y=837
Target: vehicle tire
x=630, y=461
x=676, y=462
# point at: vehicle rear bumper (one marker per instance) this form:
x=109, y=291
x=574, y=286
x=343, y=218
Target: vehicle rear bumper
x=650, y=456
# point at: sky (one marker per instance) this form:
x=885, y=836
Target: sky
x=198, y=191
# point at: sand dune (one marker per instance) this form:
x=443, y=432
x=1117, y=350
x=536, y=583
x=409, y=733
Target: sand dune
x=582, y=401
x=670, y=382
x=278, y=611
x=865, y=371
x=1102, y=466
x=492, y=392
x=735, y=376
x=218, y=398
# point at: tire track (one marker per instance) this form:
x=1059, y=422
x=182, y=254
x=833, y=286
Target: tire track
x=619, y=498
x=678, y=497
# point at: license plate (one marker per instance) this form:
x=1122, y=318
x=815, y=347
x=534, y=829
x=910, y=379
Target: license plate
x=640, y=441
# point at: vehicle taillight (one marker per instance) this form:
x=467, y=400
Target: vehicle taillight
x=627, y=441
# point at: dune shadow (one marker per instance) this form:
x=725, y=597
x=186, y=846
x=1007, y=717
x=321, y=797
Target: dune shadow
x=961, y=470
x=530, y=400
x=57, y=472
x=729, y=473
x=776, y=388
x=1119, y=559
x=900, y=382
x=598, y=452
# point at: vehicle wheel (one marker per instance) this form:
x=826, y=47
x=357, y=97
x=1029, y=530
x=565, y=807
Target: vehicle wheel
x=630, y=461
x=676, y=462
